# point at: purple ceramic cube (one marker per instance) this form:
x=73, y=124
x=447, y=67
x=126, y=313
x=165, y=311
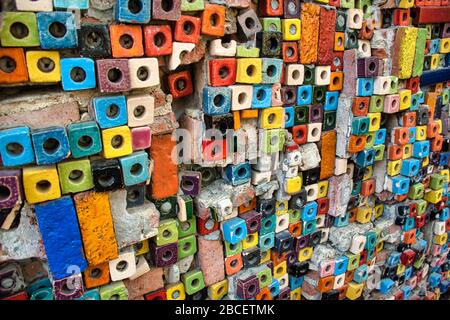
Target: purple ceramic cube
x=10, y=192
x=289, y=95
x=315, y=113
x=164, y=256
x=191, y=183
x=285, y=294
x=291, y=258
x=166, y=10
x=247, y=288
x=113, y=75
x=68, y=288
x=252, y=220
x=301, y=242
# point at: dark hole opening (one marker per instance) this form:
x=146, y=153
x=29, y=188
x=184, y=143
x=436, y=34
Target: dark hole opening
x=7, y=64
x=57, y=29
x=19, y=30
x=77, y=74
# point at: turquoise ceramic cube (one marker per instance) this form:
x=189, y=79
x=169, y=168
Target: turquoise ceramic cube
x=135, y=168
x=271, y=70
x=84, y=139
x=57, y=30
x=15, y=147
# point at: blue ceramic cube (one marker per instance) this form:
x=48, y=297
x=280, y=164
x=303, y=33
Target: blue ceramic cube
x=71, y=4
x=15, y=147
x=274, y=288
x=331, y=101
x=234, y=230
x=364, y=87
x=135, y=168
x=84, y=139
x=412, y=134
x=410, y=167
x=341, y=221
x=288, y=117
x=356, y=187
x=421, y=149
x=92, y=294
x=271, y=70
x=434, y=46
x=386, y=285
x=57, y=30
x=110, y=112
x=262, y=96
x=371, y=240
x=295, y=282
x=304, y=95
x=414, y=102
x=266, y=241
x=51, y=145
x=434, y=279
x=309, y=211
x=268, y=224
x=400, y=184
x=361, y=274
x=78, y=74
x=380, y=137
x=238, y=174
x=340, y=265
x=216, y=100
x=131, y=11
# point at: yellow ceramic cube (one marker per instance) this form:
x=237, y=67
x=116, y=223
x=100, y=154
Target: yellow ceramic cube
x=296, y=294
x=116, y=142
x=368, y=173
x=433, y=196
x=425, y=161
x=444, y=45
x=250, y=241
x=445, y=173
x=407, y=151
x=322, y=186
x=421, y=133
x=271, y=118
x=354, y=290
x=176, y=291
x=405, y=98
x=280, y=270
x=353, y=261
x=375, y=120
x=394, y=167
x=405, y=4
x=378, y=210
x=380, y=246
x=141, y=248
x=218, y=290
x=249, y=70
x=41, y=184
x=364, y=214
x=43, y=66
x=400, y=268
x=435, y=59
x=291, y=29
x=265, y=256
x=282, y=207
x=293, y=185
x=440, y=239
x=305, y=254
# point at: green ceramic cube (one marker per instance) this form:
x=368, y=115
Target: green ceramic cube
x=365, y=6
x=437, y=181
x=421, y=207
x=264, y=277
x=379, y=152
x=376, y=104
x=370, y=140
x=418, y=262
x=75, y=176
x=445, y=96
x=347, y=4
x=84, y=139
x=232, y=249
x=192, y=5
x=193, y=281
x=114, y=291
x=416, y=191
x=272, y=140
x=353, y=261
x=271, y=24
x=329, y=120
x=186, y=228
x=187, y=246
x=247, y=52
x=294, y=216
x=19, y=29
x=167, y=232
x=189, y=206
x=394, y=85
